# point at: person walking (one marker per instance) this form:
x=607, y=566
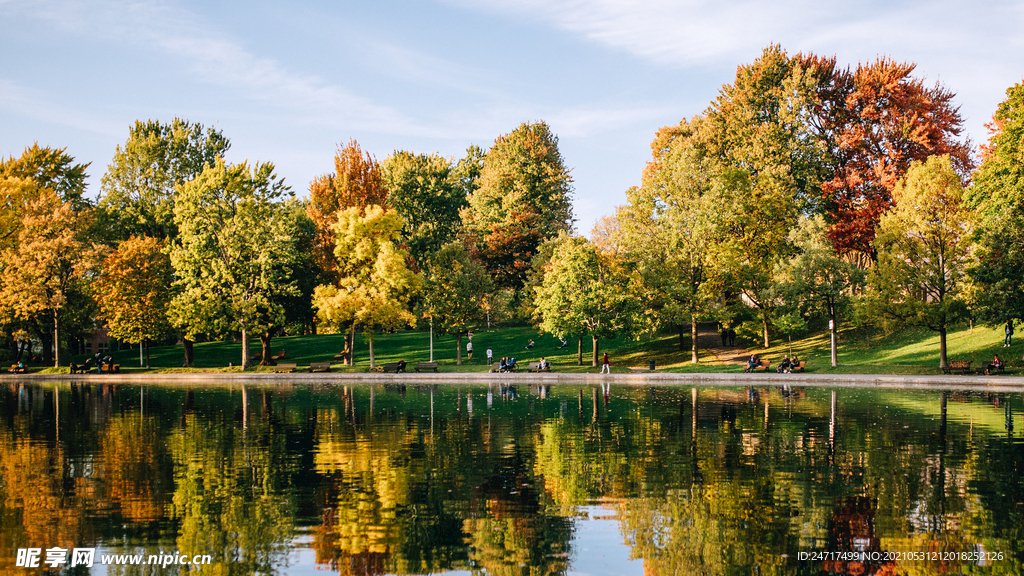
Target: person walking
x=606, y=366
x=469, y=349
x=490, y=356
x=1009, y=334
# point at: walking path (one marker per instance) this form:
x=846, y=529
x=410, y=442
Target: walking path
x=710, y=339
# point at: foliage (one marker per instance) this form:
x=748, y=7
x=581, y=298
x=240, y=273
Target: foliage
x=997, y=194
x=455, y=288
x=375, y=283
x=583, y=294
x=22, y=180
x=423, y=190
x=879, y=119
x=134, y=290
x=51, y=261
x=524, y=197
x=923, y=249
x=233, y=253
x=139, y=187
x=356, y=182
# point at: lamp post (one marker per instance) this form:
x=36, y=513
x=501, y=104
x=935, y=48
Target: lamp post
x=431, y=334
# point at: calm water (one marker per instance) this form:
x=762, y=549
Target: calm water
x=517, y=480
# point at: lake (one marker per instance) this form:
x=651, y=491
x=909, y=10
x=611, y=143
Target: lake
x=513, y=478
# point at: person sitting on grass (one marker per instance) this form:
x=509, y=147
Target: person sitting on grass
x=529, y=344
x=784, y=366
x=754, y=362
x=563, y=344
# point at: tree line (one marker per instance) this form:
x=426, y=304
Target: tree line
x=806, y=191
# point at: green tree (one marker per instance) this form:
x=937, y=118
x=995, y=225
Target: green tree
x=233, y=253
x=455, y=288
x=817, y=279
x=50, y=262
x=923, y=248
x=423, y=190
x=134, y=290
x=138, y=190
x=375, y=283
x=23, y=178
x=524, y=197
x=583, y=294
x=997, y=194
x=671, y=230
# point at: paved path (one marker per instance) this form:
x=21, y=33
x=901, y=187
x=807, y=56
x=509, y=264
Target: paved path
x=710, y=339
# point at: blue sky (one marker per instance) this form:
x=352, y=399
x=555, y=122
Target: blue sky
x=288, y=82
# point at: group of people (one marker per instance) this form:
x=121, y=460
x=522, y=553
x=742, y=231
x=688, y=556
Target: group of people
x=785, y=367
x=507, y=364
x=728, y=337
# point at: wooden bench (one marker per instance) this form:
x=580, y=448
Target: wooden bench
x=764, y=365
x=15, y=369
x=280, y=356
x=395, y=367
x=286, y=367
x=962, y=366
x=424, y=366
x=799, y=367
x=535, y=367
x=79, y=368
x=494, y=367
x=318, y=366
x=109, y=368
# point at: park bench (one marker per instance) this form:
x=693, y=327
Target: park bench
x=286, y=367
x=763, y=366
x=343, y=355
x=320, y=366
x=535, y=367
x=395, y=367
x=962, y=366
x=986, y=368
x=424, y=366
x=79, y=368
x=494, y=367
x=280, y=356
x=15, y=369
x=799, y=367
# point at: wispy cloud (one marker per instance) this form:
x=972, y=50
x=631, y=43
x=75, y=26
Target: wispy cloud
x=29, y=103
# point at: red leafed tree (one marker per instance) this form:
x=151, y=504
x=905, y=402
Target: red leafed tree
x=356, y=182
x=879, y=119
x=508, y=249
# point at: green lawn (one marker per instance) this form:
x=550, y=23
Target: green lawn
x=912, y=351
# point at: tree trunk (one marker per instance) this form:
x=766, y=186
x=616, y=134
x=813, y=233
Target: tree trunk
x=373, y=361
x=943, y=362
x=764, y=325
x=350, y=345
x=245, y=349
x=190, y=356
x=579, y=351
x=458, y=349
x=695, y=357
x=593, y=359
x=56, y=340
x=266, y=354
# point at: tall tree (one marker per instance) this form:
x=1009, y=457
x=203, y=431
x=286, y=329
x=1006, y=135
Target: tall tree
x=671, y=229
x=134, y=290
x=137, y=192
x=880, y=118
x=455, y=288
x=375, y=283
x=356, y=182
x=583, y=294
x=923, y=247
x=233, y=254
x=50, y=262
x=997, y=194
x=524, y=197
x=424, y=191
x=22, y=179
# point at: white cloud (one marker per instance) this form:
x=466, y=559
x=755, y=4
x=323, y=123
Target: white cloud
x=29, y=103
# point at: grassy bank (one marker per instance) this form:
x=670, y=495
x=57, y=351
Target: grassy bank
x=912, y=351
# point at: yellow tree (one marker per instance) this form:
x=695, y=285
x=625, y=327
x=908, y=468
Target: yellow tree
x=51, y=259
x=133, y=291
x=375, y=283
x=357, y=182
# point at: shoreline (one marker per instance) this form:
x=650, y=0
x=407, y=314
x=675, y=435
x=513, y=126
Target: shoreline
x=937, y=382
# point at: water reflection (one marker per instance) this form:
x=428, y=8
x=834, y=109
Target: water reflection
x=506, y=478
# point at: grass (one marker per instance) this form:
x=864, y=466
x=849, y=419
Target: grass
x=912, y=351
